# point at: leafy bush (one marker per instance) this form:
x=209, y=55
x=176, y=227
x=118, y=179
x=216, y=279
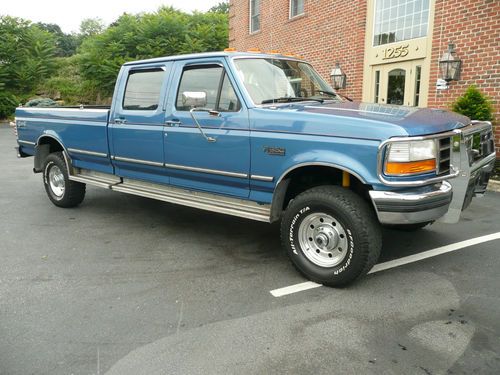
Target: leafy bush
x=8, y=104
x=41, y=102
x=34, y=57
x=26, y=60
x=163, y=33
x=474, y=104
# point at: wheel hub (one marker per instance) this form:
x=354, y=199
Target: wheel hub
x=323, y=239
x=56, y=181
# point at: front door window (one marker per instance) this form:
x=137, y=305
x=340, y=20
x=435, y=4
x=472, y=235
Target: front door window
x=396, y=86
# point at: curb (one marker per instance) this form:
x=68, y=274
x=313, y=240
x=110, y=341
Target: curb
x=494, y=185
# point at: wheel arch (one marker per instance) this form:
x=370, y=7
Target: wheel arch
x=45, y=145
x=291, y=182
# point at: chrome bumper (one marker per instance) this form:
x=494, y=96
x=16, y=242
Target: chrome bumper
x=415, y=205
x=472, y=166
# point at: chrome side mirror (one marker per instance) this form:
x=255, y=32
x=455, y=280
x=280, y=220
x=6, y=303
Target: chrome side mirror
x=194, y=99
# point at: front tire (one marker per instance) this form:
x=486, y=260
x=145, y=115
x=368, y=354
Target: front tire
x=331, y=235
x=60, y=190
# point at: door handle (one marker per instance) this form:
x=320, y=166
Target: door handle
x=120, y=121
x=173, y=123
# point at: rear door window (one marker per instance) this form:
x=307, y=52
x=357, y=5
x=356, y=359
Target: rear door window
x=143, y=90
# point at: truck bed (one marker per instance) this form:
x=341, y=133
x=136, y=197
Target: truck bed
x=82, y=131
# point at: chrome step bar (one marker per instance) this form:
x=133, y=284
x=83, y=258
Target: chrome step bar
x=99, y=179
x=205, y=201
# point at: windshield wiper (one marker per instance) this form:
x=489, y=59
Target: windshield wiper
x=288, y=99
x=336, y=94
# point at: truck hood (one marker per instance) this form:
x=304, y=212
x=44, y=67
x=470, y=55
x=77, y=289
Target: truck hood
x=369, y=120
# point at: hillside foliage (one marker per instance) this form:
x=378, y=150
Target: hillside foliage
x=39, y=60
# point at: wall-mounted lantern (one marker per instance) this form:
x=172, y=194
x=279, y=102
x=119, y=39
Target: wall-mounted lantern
x=449, y=65
x=338, y=77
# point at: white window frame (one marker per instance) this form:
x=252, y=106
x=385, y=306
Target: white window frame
x=250, y=28
x=290, y=15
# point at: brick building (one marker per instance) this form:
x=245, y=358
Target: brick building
x=389, y=49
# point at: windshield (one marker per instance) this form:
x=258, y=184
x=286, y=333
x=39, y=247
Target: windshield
x=274, y=80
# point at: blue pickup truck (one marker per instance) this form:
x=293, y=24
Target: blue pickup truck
x=264, y=137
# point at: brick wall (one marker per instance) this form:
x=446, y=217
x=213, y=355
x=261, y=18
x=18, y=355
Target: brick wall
x=329, y=31
x=474, y=27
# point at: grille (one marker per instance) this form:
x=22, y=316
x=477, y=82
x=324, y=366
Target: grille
x=479, y=145
x=444, y=156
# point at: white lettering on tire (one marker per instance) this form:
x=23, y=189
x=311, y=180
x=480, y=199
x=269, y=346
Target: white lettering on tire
x=292, y=226
x=351, y=251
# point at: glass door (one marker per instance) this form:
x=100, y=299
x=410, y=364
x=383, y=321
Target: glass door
x=397, y=84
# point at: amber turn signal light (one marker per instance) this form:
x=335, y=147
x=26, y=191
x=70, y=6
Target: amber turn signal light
x=412, y=167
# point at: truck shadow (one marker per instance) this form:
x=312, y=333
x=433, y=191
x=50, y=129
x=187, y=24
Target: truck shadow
x=241, y=239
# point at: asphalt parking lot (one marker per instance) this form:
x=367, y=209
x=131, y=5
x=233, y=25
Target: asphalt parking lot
x=128, y=285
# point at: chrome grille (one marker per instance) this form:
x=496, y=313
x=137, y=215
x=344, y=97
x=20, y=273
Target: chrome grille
x=479, y=145
x=443, y=162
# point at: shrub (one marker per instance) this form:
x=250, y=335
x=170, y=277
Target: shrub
x=8, y=104
x=41, y=102
x=474, y=104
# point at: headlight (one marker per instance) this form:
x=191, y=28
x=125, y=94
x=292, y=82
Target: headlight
x=411, y=157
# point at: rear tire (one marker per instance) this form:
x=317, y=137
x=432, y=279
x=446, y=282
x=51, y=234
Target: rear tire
x=60, y=190
x=331, y=235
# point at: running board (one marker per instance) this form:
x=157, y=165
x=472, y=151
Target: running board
x=99, y=179
x=205, y=201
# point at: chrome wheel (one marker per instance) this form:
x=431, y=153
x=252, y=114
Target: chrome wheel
x=323, y=240
x=56, y=181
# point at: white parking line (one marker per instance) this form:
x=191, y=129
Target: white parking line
x=294, y=288
x=395, y=263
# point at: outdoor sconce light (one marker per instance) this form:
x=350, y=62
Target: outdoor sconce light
x=450, y=65
x=338, y=77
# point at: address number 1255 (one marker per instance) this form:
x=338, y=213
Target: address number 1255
x=394, y=53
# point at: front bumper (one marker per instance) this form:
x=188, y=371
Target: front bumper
x=471, y=162
x=410, y=206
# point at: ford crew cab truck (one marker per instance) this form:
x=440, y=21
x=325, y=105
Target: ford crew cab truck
x=264, y=137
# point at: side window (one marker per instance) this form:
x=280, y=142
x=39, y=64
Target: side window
x=143, y=89
x=213, y=81
x=228, y=101
x=205, y=79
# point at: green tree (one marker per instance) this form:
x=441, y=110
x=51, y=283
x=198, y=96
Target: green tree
x=66, y=43
x=474, y=104
x=222, y=7
x=163, y=33
x=26, y=60
x=91, y=27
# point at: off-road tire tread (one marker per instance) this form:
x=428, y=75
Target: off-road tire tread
x=367, y=224
x=74, y=191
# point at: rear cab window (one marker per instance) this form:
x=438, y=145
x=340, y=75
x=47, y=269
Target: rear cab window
x=143, y=89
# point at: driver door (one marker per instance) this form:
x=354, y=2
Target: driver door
x=218, y=162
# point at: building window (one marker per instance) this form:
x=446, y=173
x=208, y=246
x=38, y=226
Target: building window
x=254, y=16
x=418, y=74
x=296, y=8
x=377, y=85
x=398, y=20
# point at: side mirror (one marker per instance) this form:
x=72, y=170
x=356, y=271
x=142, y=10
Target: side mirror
x=194, y=99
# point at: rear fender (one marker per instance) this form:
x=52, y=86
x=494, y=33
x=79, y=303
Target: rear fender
x=43, y=149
